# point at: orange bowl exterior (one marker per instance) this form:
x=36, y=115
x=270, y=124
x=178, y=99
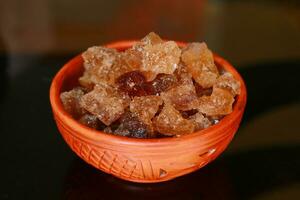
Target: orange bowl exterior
x=143, y=160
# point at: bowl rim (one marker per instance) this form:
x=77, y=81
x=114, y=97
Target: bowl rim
x=99, y=136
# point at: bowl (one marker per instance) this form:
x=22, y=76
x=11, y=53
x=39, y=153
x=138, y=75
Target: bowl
x=143, y=160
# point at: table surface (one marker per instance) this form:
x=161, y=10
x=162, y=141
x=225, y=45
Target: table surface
x=261, y=38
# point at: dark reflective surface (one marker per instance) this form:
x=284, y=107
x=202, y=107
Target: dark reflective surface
x=240, y=176
x=260, y=159
x=85, y=182
x=270, y=85
x=261, y=38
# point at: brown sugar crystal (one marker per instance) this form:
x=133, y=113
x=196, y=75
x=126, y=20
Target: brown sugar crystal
x=131, y=58
x=104, y=65
x=132, y=83
x=170, y=122
x=151, y=39
x=163, y=82
x=219, y=103
x=200, y=121
x=200, y=91
x=70, y=101
x=153, y=89
x=226, y=81
x=160, y=58
x=134, y=55
x=200, y=64
x=183, y=96
x=98, y=62
x=105, y=102
x=131, y=126
x=145, y=107
x=90, y=120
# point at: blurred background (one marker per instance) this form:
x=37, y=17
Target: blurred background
x=243, y=31
x=261, y=38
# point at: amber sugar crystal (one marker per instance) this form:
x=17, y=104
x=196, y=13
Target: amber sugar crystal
x=153, y=89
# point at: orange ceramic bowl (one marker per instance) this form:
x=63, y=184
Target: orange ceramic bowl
x=142, y=160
